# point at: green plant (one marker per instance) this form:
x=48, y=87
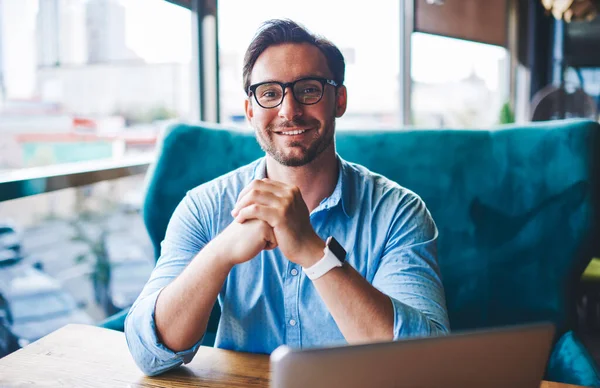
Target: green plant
x=507, y=116
x=97, y=252
x=86, y=216
x=146, y=115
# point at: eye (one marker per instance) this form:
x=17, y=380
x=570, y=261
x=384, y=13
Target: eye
x=310, y=90
x=268, y=92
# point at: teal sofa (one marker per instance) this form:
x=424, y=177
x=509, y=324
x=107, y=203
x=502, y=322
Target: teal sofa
x=517, y=208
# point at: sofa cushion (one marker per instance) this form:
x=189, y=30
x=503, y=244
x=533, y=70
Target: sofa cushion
x=516, y=206
x=570, y=363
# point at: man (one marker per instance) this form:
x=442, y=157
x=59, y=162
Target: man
x=300, y=247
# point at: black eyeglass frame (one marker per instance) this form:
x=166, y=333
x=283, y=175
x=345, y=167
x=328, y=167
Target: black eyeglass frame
x=284, y=86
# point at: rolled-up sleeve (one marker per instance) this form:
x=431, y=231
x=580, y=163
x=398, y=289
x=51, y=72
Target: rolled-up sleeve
x=408, y=273
x=186, y=235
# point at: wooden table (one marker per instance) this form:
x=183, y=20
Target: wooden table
x=89, y=356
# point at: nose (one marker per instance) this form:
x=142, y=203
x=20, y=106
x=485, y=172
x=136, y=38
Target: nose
x=289, y=108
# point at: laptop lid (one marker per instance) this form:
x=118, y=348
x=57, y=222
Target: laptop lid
x=513, y=357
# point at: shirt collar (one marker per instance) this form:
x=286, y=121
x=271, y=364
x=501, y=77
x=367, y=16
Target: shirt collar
x=346, y=187
x=341, y=193
x=260, y=170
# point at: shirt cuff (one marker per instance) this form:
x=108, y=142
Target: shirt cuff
x=152, y=356
x=409, y=322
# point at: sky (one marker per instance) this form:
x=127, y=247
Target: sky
x=373, y=29
x=159, y=31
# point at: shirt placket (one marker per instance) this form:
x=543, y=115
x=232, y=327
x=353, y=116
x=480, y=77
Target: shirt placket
x=293, y=333
x=291, y=299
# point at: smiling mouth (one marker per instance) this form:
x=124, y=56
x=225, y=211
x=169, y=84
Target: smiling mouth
x=292, y=132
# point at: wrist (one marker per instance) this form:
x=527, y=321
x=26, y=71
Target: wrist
x=219, y=257
x=312, y=252
x=334, y=256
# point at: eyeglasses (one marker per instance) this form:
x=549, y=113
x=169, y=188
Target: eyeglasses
x=307, y=91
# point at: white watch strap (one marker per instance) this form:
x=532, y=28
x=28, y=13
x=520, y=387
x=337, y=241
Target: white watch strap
x=321, y=267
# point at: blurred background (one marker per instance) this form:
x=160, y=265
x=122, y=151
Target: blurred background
x=88, y=87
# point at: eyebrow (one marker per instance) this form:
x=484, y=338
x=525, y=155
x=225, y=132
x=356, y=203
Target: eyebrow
x=301, y=77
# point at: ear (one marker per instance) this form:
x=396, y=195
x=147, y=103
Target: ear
x=341, y=99
x=248, y=109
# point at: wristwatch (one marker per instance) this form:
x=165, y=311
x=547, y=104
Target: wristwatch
x=335, y=255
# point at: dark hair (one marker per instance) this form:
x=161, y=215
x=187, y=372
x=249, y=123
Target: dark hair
x=278, y=31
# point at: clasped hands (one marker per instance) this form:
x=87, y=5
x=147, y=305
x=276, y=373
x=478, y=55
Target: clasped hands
x=271, y=214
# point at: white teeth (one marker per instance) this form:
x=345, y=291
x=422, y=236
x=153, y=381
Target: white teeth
x=293, y=132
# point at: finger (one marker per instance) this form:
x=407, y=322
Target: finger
x=276, y=186
x=254, y=185
x=257, y=212
x=283, y=189
x=245, y=191
x=270, y=241
x=274, y=183
x=260, y=185
x=256, y=196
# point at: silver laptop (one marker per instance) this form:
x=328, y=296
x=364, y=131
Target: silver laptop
x=508, y=357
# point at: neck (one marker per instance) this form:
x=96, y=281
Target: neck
x=316, y=180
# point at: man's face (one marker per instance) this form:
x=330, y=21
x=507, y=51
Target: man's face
x=274, y=127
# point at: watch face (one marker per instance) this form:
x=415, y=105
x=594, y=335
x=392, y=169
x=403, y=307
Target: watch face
x=336, y=249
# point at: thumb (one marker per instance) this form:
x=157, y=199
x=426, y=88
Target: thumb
x=270, y=240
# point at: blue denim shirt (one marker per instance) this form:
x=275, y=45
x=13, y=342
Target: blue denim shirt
x=387, y=231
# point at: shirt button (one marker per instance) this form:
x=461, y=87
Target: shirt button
x=294, y=272
x=292, y=322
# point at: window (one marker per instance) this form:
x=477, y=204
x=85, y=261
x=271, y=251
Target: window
x=94, y=79
x=368, y=37
x=586, y=78
x=82, y=80
x=85, y=246
x=28, y=307
x=457, y=83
